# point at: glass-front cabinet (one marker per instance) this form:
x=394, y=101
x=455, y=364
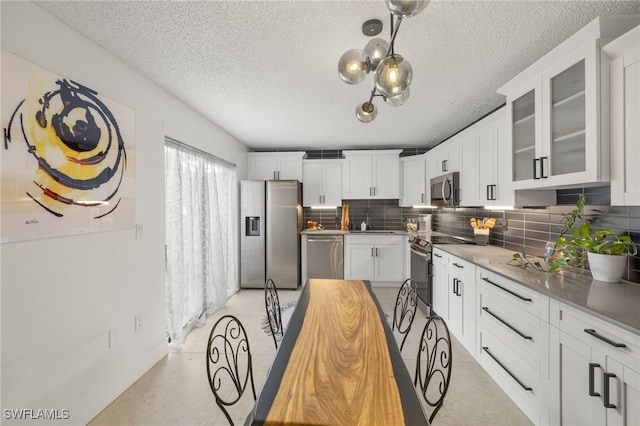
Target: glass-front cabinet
x=556, y=121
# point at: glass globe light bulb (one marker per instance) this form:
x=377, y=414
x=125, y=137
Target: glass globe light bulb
x=375, y=50
x=366, y=112
x=353, y=66
x=398, y=99
x=393, y=76
x=406, y=8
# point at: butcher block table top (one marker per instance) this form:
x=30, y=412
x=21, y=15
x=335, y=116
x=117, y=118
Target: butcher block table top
x=338, y=364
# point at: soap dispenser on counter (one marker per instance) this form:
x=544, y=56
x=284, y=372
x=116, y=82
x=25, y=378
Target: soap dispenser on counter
x=363, y=225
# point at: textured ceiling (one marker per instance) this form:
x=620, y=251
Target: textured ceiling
x=266, y=71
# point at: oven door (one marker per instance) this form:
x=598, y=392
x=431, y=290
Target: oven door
x=421, y=274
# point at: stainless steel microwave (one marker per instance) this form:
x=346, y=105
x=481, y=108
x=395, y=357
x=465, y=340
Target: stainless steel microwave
x=445, y=190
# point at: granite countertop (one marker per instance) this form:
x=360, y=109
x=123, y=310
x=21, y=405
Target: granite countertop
x=618, y=303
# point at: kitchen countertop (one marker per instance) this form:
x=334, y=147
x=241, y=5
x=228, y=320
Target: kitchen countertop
x=339, y=232
x=617, y=303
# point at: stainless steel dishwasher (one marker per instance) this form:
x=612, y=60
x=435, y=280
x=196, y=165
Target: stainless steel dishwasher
x=325, y=256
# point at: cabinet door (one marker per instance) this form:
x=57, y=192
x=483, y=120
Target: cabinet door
x=290, y=166
x=359, y=262
x=263, y=167
x=440, y=286
x=331, y=184
x=625, y=126
x=312, y=176
x=631, y=397
x=571, y=120
x=503, y=194
x=455, y=287
x=413, y=182
x=358, y=178
x=389, y=262
x=471, y=169
x=581, y=398
x=526, y=127
x=386, y=176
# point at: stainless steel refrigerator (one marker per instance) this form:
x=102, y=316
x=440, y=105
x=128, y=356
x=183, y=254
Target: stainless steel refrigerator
x=271, y=220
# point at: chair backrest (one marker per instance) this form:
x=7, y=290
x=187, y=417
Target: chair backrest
x=274, y=315
x=229, y=366
x=433, y=363
x=405, y=310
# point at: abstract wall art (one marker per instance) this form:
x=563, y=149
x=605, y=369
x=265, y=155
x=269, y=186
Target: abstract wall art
x=67, y=156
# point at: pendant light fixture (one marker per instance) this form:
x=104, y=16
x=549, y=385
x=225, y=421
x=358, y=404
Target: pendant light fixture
x=392, y=72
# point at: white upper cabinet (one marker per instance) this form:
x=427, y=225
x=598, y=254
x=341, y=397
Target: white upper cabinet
x=625, y=118
x=558, y=119
x=471, y=168
x=322, y=182
x=415, y=190
x=446, y=157
x=275, y=165
x=371, y=174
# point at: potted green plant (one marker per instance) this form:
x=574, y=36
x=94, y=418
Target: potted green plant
x=606, y=252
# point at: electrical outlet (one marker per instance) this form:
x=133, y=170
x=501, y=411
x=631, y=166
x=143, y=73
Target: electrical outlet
x=138, y=322
x=139, y=231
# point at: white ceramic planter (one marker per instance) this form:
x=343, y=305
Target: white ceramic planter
x=606, y=268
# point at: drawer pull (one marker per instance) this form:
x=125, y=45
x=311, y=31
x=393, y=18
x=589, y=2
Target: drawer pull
x=526, y=299
x=593, y=333
x=437, y=255
x=515, y=330
x=527, y=388
x=592, y=367
x=607, y=403
x=458, y=266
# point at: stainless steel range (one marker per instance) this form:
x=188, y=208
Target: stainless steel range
x=422, y=265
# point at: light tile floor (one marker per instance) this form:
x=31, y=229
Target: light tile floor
x=175, y=391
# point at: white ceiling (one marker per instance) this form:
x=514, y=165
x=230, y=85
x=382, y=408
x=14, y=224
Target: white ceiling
x=266, y=71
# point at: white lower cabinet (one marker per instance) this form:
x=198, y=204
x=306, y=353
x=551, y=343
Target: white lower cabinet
x=440, y=287
x=454, y=296
x=513, y=341
x=560, y=365
x=378, y=258
x=595, y=368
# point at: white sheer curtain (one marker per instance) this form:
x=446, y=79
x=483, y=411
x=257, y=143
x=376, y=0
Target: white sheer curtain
x=200, y=200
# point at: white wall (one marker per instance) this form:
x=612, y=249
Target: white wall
x=60, y=297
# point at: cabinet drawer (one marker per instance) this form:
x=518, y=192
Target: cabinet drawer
x=525, y=333
x=529, y=300
x=375, y=239
x=462, y=267
x=512, y=373
x=621, y=344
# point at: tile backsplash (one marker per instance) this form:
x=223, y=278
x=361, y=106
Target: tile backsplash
x=527, y=229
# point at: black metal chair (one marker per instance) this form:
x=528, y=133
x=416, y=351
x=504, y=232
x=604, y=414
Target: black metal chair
x=274, y=315
x=405, y=310
x=433, y=363
x=229, y=367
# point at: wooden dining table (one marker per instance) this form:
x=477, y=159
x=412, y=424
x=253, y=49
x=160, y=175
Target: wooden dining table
x=338, y=364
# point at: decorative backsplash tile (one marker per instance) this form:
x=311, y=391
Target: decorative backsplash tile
x=527, y=229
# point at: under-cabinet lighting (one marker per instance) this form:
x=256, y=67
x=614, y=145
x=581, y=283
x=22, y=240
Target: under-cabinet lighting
x=323, y=207
x=498, y=207
x=423, y=207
